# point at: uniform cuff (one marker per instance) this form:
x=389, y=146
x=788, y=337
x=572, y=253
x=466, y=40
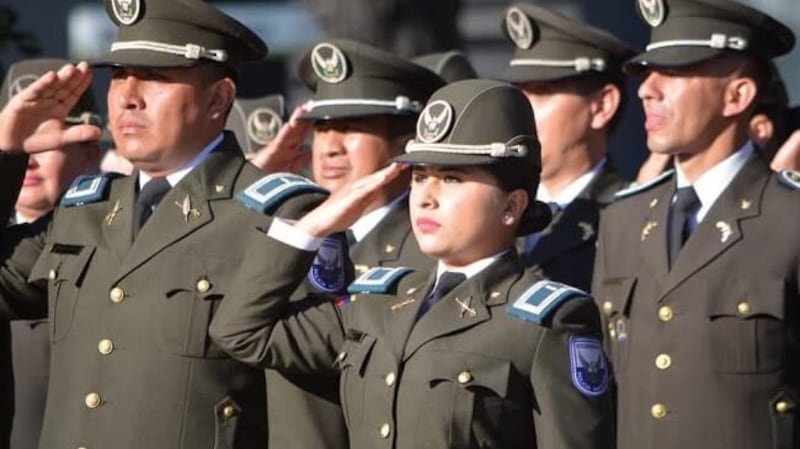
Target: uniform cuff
x=284, y=231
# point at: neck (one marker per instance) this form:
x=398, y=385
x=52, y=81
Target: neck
x=585, y=156
x=30, y=214
x=695, y=163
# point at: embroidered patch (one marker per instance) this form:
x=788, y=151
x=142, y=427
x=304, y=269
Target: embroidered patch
x=329, y=63
x=653, y=12
x=87, y=189
x=542, y=299
x=126, y=12
x=435, y=121
x=633, y=189
x=378, y=280
x=588, y=366
x=266, y=194
x=327, y=273
x=263, y=125
x=519, y=28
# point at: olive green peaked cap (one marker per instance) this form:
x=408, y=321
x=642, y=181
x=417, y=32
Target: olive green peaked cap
x=25, y=72
x=551, y=46
x=256, y=121
x=350, y=79
x=178, y=33
x=450, y=65
x=687, y=32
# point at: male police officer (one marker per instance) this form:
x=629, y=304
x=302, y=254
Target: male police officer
x=572, y=75
x=134, y=267
x=697, y=272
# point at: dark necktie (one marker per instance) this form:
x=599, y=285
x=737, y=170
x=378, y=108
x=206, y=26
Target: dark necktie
x=446, y=283
x=686, y=203
x=147, y=200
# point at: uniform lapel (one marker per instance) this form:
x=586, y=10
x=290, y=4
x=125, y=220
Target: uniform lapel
x=721, y=228
x=186, y=207
x=118, y=220
x=381, y=246
x=400, y=315
x=653, y=231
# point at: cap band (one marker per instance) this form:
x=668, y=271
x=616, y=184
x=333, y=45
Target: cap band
x=400, y=103
x=188, y=51
x=579, y=64
x=717, y=40
x=496, y=149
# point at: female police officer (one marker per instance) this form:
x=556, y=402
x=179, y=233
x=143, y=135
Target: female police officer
x=480, y=353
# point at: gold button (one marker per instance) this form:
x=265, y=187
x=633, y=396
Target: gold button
x=464, y=377
x=342, y=355
x=52, y=275
x=390, y=378
x=105, y=346
x=389, y=248
x=608, y=307
x=743, y=308
x=386, y=430
x=92, y=400
x=228, y=411
x=665, y=313
x=782, y=407
x=663, y=361
x=117, y=295
x=659, y=411
x=203, y=285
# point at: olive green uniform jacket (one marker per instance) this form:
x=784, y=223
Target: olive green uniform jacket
x=707, y=354
x=467, y=375
x=132, y=365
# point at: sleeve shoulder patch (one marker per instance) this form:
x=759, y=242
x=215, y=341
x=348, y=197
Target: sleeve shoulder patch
x=327, y=273
x=379, y=280
x=542, y=299
x=88, y=189
x=269, y=192
x=634, y=189
x=790, y=178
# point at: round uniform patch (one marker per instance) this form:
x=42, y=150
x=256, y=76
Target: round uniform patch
x=588, y=365
x=327, y=273
x=263, y=125
x=519, y=28
x=126, y=12
x=435, y=121
x=329, y=63
x=653, y=11
x=20, y=83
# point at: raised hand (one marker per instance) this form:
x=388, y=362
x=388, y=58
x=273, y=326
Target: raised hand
x=33, y=120
x=285, y=153
x=788, y=156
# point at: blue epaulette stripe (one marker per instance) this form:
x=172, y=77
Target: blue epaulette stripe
x=542, y=298
x=790, y=178
x=87, y=189
x=269, y=192
x=378, y=280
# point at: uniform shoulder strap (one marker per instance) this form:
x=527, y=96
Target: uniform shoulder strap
x=634, y=189
x=790, y=178
x=542, y=299
x=269, y=192
x=379, y=280
x=88, y=189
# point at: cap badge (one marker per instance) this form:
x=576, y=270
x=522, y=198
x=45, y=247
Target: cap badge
x=435, y=121
x=126, y=11
x=263, y=125
x=20, y=83
x=653, y=11
x=519, y=28
x=329, y=63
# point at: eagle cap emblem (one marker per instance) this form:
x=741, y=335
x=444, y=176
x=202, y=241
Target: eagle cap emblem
x=263, y=125
x=519, y=28
x=653, y=11
x=126, y=12
x=435, y=121
x=329, y=63
x=20, y=83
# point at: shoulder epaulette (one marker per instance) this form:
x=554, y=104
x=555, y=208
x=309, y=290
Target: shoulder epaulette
x=636, y=188
x=790, y=178
x=88, y=189
x=379, y=280
x=542, y=299
x=269, y=192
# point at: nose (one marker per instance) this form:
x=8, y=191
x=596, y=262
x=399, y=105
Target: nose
x=425, y=193
x=328, y=142
x=649, y=89
x=125, y=91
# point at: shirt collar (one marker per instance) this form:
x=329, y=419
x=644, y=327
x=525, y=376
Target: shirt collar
x=472, y=269
x=176, y=176
x=367, y=223
x=568, y=194
x=710, y=185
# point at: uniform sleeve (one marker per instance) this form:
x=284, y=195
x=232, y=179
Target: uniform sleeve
x=572, y=383
x=258, y=325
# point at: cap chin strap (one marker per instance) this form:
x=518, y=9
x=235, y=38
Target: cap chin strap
x=718, y=41
x=496, y=149
x=582, y=64
x=188, y=51
x=400, y=103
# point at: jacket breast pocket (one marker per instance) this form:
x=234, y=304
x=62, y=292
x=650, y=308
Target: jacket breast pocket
x=748, y=331
x=192, y=289
x=614, y=303
x=63, y=267
x=352, y=361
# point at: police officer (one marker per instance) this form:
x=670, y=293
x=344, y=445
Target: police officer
x=474, y=353
x=134, y=267
x=697, y=272
x=363, y=111
x=48, y=175
x=572, y=75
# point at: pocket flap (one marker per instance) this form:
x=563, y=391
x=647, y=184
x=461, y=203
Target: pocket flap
x=471, y=371
x=355, y=353
x=616, y=295
x=208, y=278
x=60, y=263
x=752, y=300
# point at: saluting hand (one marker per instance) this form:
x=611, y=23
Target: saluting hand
x=346, y=205
x=788, y=156
x=285, y=153
x=33, y=120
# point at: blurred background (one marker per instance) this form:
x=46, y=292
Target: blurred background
x=81, y=30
